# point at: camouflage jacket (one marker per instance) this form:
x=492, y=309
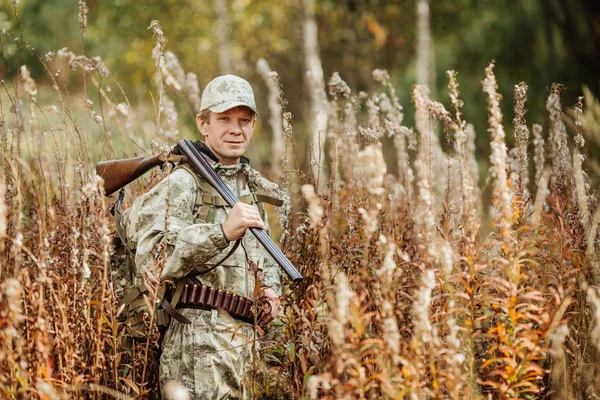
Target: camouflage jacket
x=168, y=215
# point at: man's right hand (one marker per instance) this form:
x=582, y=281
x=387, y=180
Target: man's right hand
x=241, y=217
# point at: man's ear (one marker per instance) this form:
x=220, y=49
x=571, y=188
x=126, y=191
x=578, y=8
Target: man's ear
x=201, y=125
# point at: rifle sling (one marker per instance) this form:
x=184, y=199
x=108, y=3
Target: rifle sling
x=229, y=254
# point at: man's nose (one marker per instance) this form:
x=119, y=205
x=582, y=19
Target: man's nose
x=236, y=128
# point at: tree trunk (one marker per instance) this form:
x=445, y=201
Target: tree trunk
x=318, y=98
x=425, y=71
x=223, y=36
x=275, y=118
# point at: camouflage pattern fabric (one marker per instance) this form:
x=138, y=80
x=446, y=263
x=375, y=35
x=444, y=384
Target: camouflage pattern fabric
x=225, y=92
x=208, y=356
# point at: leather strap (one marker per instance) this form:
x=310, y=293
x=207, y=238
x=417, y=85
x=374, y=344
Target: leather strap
x=173, y=312
x=229, y=254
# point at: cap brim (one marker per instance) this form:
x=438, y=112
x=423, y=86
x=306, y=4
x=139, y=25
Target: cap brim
x=231, y=104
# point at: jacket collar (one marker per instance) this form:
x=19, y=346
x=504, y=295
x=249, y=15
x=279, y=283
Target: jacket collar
x=203, y=148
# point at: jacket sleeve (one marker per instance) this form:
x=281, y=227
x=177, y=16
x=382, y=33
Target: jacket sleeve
x=165, y=216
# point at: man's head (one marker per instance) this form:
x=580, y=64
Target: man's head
x=227, y=116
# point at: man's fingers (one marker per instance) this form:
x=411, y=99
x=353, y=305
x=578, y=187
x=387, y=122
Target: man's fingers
x=252, y=222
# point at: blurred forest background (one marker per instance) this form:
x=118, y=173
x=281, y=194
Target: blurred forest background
x=536, y=41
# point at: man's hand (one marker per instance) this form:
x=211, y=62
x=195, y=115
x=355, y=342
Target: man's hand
x=241, y=217
x=271, y=305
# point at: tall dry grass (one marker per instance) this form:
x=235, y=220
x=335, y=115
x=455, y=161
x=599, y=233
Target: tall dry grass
x=403, y=297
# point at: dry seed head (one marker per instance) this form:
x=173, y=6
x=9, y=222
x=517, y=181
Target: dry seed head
x=578, y=139
x=174, y=71
x=558, y=338
x=175, y=76
x=373, y=168
x=381, y=75
x=498, y=157
x=593, y=232
x=337, y=87
x=28, y=82
x=373, y=131
x=471, y=150
x=170, y=123
x=174, y=390
x=388, y=266
x=83, y=10
x=423, y=329
x=420, y=98
x=447, y=257
x=192, y=90
x=315, y=211
x=3, y=214
x=582, y=200
x=538, y=158
x=425, y=215
x=437, y=110
x=48, y=391
x=540, y=197
x=454, y=342
x=594, y=301
x=391, y=334
x=559, y=151
x=395, y=110
x=455, y=97
x=315, y=382
x=89, y=64
x=370, y=218
x=343, y=295
x=161, y=42
x=12, y=292
x=405, y=172
x=522, y=137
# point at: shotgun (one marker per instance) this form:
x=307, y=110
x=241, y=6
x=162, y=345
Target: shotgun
x=201, y=167
x=118, y=173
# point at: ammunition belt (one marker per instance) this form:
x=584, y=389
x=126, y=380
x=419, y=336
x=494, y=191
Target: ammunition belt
x=206, y=298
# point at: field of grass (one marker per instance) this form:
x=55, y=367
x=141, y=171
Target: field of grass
x=414, y=288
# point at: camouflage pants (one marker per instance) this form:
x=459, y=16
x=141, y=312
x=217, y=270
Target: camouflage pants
x=208, y=357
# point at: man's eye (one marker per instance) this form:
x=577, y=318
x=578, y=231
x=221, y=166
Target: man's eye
x=224, y=119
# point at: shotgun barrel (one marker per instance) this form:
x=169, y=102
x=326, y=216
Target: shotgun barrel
x=200, y=166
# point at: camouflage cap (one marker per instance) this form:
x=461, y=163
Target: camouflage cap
x=225, y=92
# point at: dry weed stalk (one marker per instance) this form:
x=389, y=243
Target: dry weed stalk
x=498, y=158
x=521, y=137
x=538, y=158
x=559, y=151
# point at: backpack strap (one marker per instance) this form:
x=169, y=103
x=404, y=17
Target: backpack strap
x=261, y=197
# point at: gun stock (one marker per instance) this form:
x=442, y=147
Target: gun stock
x=118, y=173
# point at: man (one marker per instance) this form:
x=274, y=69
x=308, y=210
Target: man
x=209, y=355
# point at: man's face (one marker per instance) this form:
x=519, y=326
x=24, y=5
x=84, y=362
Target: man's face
x=228, y=134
